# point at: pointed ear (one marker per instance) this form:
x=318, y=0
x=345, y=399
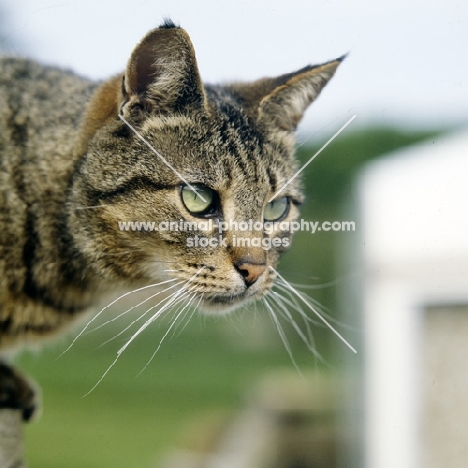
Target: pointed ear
x=282, y=101
x=162, y=73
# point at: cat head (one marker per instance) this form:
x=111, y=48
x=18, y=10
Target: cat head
x=160, y=147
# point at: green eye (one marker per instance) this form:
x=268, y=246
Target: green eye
x=198, y=202
x=276, y=209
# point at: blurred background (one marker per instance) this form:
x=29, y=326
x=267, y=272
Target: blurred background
x=406, y=81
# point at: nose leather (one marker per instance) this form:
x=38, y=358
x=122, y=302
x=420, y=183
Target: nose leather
x=250, y=271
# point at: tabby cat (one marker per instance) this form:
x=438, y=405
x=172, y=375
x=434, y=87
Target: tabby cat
x=153, y=143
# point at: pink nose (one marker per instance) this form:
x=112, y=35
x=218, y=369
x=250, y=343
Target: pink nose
x=250, y=271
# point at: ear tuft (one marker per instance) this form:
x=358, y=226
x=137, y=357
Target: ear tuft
x=162, y=73
x=168, y=24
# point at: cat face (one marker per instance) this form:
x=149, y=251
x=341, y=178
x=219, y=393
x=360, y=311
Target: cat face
x=203, y=166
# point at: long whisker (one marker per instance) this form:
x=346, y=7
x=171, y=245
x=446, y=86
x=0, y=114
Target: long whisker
x=314, y=310
x=121, y=332
x=328, y=284
x=102, y=377
x=149, y=321
x=182, y=295
x=305, y=318
x=195, y=308
x=144, y=326
x=320, y=308
x=290, y=319
x=109, y=305
x=292, y=302
x=182, y=305
x=109, y=368
x=167, y=332
x=133, y=307
x=177, y=307
x=340, y=279
x=281, y=333
x=187, y=312
x=293, y=297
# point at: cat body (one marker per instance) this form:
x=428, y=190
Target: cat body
x=77, y=157
x=40, y=284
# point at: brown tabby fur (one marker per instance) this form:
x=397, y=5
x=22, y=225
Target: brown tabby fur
x=71, y=169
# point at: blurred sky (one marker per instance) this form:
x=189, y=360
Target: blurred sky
x=407, y=63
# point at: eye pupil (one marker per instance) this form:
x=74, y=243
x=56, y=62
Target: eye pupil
x=276, y=209
x=198, y=199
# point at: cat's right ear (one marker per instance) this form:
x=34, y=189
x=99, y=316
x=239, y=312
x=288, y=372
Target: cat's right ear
x=162, y=74
x=280, y=102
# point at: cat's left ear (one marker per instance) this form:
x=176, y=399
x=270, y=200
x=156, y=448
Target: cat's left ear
x=162, y=72
x=281, y=102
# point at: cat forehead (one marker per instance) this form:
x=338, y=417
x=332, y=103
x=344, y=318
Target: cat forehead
x=221, y=114
x=224, y=127
x=221, y=148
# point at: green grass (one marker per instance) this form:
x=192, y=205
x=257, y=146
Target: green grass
x=130, y=420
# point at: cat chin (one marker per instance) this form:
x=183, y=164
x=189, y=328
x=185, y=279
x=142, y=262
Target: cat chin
x=222, y=305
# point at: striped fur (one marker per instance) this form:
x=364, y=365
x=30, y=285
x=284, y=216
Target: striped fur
x=71, y=169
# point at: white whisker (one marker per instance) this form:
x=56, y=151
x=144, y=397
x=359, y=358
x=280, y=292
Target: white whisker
x=320, y=308
x=173, y=298
x=314, y=310
x=187, y=312
x=167, y=333
x=307, y=341
x=292, y=302
x=121, y=332
x=133, y=307
x=102, y=377
x=191, y=315
x=107, y=371
x=328, y=284
x=305, y=318
x=109, y=305
x=311, y=299
x=282, y=335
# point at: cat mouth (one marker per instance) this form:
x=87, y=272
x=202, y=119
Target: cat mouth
x=227, y=302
